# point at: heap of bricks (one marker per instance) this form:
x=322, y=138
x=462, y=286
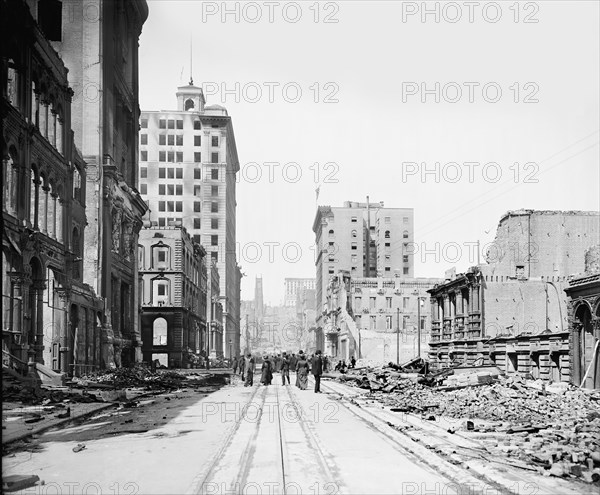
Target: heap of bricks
x=558, y=432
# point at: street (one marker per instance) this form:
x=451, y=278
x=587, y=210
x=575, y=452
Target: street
x=261, y=439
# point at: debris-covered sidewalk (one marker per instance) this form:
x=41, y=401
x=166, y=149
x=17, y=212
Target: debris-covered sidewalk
x=553, y=428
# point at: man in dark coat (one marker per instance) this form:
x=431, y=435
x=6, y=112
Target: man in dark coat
x=317, y=370
x=249, y=367
x=285, y=368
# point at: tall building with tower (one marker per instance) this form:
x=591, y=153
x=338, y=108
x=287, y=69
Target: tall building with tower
x=188, y=166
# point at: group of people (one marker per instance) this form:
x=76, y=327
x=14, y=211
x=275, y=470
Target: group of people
x=342, y=367
x=300, y=363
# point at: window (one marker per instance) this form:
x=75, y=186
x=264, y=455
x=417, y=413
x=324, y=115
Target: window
x=214, y=140
x=197, y=157
x=214, y=207
x=197, y=140
x=354, y=233
x=171, y=156
x=405, y=302
x=178, y=190
x=196, y=206
x=197, y=223
x=159, y=332
x=214, y=174
x=387, y=234
x=178, y=205
x=214, y=157
x=171, y=124
x=388, y=302
x=143, y=138
x=354, y=258
x=170, y=189
x=405, y=219
x=162, y=124
x=179, y=140
x=144, y=123
x=179, y=173
x=354, y=246
x=197, y=125
x=171, y=140
x=179, y=124
x=214, y=240
x=162, y=156
x=405, y=258
x=354, y=220
x=162, y=139
x=143, y=172
x=405, y=270
x=388, y=322
x=387, y=245
x=214, y=256
x=197, y=238
x=143, y=188
x=214, y=190
x=357, y=301
x=214, y=223
x=197, y=190
x=373, y=322
x=197, y=176
x=331, y=259
x=161, y=206
x=405, y=234
x=388, y=269
x=162, y=221
x=161, y=189
x=372, y=301
x=144, y=156
x=387, y=219
x=162, y=256
x=331, y=270
x=170, y=173
x=179, y=156
x=170, y=206
x=388, y=257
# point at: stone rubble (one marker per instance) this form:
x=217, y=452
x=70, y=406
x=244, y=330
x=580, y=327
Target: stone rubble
x=554, y=428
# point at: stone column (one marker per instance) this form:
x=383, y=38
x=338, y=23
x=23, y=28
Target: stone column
x=43, y=209
x=38, y=346
x=60, y=204
x=62, y=329
x=52, y=216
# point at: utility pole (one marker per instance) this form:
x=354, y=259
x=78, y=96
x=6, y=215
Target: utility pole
x=398, y=336
x=418, y=326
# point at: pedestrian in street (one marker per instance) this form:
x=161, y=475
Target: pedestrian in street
x=325, y=364
x=285, y=368
x=249, y=367
x=242, y=367
x=317, y=370
x=234, y=365
x=293, y=361
x=302, y=371
x=267, y=371
x=352, y=362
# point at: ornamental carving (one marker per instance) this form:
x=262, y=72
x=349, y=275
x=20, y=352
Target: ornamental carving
x=117, y=214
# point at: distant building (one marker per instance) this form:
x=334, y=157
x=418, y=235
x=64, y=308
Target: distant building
x=188, y=166
x=293, y=286
x=365, y=239
x=173, y=292
x=380, y=319
x=512, y=311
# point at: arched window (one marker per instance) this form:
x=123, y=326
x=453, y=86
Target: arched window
x=387, y=234
x=161, y=289
x=10, y=180
x=33, y=198
x=35, y=105
x=405, y=234
x=331, y=232
x=354, y=233
x=51, y=212
x=76, y=185
x=59, y=213
x=12, y=89
x=159, y=332
x=189, y=104
x=52, y=125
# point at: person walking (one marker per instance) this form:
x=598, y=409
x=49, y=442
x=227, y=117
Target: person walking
x=352, y=362
x=285, y=369
x=242, y=367
x=249, y=367
x=302, y=371
x=317, y=370
x=234, y=365
x=267, y=371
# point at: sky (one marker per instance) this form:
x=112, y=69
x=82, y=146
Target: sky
x=459, y=112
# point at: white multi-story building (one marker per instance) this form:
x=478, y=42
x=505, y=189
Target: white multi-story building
x=188, y=166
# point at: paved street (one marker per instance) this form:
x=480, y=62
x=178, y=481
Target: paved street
x=272, y=439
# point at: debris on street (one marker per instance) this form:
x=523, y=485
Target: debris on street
x=554, y=428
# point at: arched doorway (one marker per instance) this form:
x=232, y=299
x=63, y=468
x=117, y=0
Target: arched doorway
x=584, y=343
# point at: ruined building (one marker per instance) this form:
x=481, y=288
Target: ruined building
x=512, y=311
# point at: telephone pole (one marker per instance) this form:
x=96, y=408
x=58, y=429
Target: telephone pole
x=398, y=336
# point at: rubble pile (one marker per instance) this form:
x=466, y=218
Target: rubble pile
x=554, y=428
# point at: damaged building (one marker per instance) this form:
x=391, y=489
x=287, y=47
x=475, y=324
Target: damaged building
x=512, y=311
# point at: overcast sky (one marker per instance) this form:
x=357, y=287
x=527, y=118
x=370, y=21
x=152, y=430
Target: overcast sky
x=349, y=96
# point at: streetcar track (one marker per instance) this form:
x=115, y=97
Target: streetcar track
x=449, y=472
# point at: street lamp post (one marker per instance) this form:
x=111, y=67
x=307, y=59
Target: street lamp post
x=230, y=349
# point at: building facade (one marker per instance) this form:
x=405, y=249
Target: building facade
x=294, y=286
x=512, y=311
x=99, y=45
x=50, y=316
x=380, y=319
x=187, y=174
x=173, y=292
x=365, y=239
